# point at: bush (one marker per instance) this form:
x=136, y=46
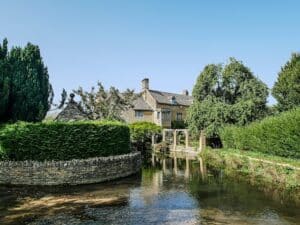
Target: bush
x=141, y=133
x=63, y=141
x=178, y=124
x=275, y=135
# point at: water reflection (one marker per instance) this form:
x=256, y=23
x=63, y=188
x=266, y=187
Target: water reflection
x=173, y=189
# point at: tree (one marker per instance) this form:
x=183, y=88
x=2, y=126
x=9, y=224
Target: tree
x=287, y=87
x=4, y=79
x=226, y=95
x=28, y=93
x=101, y=104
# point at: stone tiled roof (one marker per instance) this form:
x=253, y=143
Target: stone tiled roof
x=166, y=98
x=71, y=112
x=140, y=104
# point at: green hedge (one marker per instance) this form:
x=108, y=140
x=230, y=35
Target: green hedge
x=63, y=141
x=276, y=135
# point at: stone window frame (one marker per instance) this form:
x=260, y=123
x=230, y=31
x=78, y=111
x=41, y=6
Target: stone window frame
x=139, y=114
x=179, y=116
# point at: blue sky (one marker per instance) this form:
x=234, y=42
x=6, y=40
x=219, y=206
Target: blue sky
x=121, y=42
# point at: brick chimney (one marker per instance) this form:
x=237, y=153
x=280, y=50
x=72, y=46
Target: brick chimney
x=145, y=84
x=185, y=92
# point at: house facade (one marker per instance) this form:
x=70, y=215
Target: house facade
x=158, y=107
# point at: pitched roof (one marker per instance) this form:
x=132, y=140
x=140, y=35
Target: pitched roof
x=140, y=104
x=166, y=98
x=71, y=112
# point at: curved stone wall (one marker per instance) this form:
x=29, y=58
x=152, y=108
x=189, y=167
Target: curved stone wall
x=73, y=172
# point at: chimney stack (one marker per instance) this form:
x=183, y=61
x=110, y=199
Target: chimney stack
x=185, y=92
x=145, y=84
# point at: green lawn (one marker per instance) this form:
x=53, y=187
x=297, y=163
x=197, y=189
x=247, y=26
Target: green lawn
x=262, y=156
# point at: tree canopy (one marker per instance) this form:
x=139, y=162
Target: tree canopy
x=105, y=105
x=287, y=87
x=228, y=94
x=25, y=91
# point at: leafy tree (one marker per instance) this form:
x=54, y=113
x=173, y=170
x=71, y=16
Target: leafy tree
x=226, y=95
x=101, y=104
x=25, y=91
x=287, y=87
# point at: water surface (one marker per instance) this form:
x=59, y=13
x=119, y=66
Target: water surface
x=171, y=190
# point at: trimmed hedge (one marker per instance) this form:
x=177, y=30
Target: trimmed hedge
x=63, y=141
x=276, y=135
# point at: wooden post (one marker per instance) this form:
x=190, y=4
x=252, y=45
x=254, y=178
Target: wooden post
x=202, y=141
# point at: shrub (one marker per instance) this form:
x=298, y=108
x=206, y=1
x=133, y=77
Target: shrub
x=141, y=133
x=63, y=141
x=275, y=135
x=178, y=124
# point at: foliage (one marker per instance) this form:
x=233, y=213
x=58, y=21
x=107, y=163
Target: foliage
x=141, y=134
x=267, y=172
x=163, y=147
x=175, y=124
x=141, y=131
x=226, y=95
x=287, y=87
x=25, y=91
x=63, y=141
x=275, y=135
x=102, y=104
x=4, y=80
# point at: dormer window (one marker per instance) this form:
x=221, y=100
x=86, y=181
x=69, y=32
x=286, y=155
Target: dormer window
x=173, y=100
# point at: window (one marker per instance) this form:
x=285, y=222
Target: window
x=139, y=114
x=166, y=115
x=158, y=115
x=179, y=117
x=173, y=100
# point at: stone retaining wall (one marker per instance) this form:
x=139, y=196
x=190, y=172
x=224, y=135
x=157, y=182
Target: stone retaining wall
x=71, y=172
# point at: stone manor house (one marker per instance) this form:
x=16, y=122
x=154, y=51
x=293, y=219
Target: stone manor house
x=158, y=107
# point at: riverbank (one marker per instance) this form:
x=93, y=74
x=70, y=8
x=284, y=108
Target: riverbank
x=281, y=175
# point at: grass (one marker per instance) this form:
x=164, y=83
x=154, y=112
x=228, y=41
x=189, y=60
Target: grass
x=261, y=170
x=262, y=156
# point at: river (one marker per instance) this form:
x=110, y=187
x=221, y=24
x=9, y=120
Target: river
x=170, y=190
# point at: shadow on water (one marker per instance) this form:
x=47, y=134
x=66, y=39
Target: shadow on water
x=171, y=189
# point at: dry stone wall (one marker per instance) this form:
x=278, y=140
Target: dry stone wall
x=73, y=172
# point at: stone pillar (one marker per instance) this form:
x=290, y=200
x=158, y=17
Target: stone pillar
x=175, y=139
x=153, y=160
x=187, y=167
x=153, y=140
x=175, y=165
x=201, y=168
x=164, y=135
x=186, y=139
x=164, y=166
x=202, y=141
